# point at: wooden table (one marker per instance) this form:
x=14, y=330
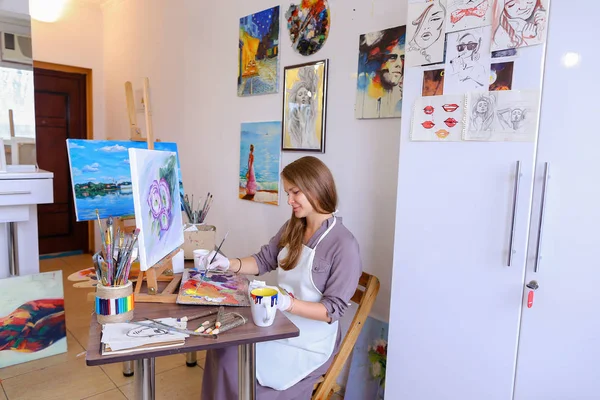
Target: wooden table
x=245, y=337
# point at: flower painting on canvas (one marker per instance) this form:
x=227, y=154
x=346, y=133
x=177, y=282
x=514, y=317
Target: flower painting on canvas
x=157, y=203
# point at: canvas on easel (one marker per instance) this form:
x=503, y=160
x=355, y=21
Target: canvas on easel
x=157, y=204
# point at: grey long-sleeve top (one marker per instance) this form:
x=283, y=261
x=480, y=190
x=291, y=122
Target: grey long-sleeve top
x=336, y=267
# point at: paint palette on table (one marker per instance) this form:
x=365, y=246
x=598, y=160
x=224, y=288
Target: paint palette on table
x=221, y=289
x=32, y=318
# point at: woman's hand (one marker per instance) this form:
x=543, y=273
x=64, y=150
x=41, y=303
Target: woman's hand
x=220, y=263
x=284, y=301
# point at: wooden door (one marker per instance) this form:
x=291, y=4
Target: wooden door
x=559, y=345
x=60, y=111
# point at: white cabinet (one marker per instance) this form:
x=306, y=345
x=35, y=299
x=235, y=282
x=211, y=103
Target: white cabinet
x=19, y=195
x=559, y=345
x=459, y=323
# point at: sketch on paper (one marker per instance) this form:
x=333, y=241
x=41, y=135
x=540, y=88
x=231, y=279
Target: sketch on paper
x=304, y=106
x=433, y=83
x=380, y=74
x=519, y=23
x=308, y=24
x=101, y=176
x=425, y=32
x=221, y=289
x=501, y=76
x=468, y=14
x=260, y=161
x=32, y=318
x=438, y=118
x=157, y=204
x=258, y=68
x=502, y=116
x=467, y=61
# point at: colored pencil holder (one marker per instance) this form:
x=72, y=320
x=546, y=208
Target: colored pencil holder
x=114, y=303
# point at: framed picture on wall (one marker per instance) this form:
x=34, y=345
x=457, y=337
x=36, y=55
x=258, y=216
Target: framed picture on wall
x=304, y=107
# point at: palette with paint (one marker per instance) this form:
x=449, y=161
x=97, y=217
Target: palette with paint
x=215, y=289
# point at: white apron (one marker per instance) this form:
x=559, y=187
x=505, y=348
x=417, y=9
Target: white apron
x=280, y=364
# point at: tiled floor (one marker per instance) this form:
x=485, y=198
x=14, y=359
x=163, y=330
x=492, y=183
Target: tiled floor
x=66, y=377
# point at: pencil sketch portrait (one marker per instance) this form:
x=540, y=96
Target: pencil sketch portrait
x=513, y=119
x=481, y=116
x=304, y=107
x=302, y=103
x=424, y=32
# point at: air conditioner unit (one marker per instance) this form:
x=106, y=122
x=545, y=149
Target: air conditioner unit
x=16, y=48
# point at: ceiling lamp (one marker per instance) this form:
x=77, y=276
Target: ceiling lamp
x=47, y=10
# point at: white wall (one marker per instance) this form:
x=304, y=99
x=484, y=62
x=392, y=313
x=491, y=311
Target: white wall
x=76, y=40
x=15, y=6
x=192, y=65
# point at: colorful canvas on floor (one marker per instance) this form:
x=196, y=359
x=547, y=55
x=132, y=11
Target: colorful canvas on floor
x=258, y=71
x=32, y=318
x=438, y=119
x=216, y=289
x=467, y=14
x=425, y=32
x=380, y=74
x=157, y=204
x=468, y=61
x=519, y=23
x=501, y=116
x=308, y=25
x=101, y=177
x=260, y=161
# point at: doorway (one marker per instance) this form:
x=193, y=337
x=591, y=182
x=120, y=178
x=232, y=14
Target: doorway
x=62, y=111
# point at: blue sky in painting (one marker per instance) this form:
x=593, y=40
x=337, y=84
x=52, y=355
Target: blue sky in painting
x=259, y=24
x=105, y=161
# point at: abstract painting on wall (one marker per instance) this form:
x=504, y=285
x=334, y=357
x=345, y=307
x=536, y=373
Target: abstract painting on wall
x=380, y=74
x=305, y=106
x=101, y=177
x=308, y=25
x=221, y=289
x=258, y=69
x=157, y=204
x=32, y=318
x=260, y=158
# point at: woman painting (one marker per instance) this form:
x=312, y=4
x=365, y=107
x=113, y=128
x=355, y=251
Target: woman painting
x=518, y=23
x=302, y=104
x=317, y=261
x=250, y=176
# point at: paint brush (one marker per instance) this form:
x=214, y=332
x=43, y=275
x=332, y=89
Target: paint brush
x=130, y=261
x=217, y=252
x=219, y=317
x=196, y=316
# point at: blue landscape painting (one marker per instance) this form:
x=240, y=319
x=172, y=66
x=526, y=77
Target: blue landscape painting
x=101, y=176
x=260, y=159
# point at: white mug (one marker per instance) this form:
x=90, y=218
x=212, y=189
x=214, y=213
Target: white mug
x=263, y=304
x=201, y=259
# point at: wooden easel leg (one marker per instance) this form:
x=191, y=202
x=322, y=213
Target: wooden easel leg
x=151, y=281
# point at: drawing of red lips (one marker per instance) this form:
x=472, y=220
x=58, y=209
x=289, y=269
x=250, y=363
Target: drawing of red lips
x=450, y=107
x=428, y=124
x=428, y=110
x=442, y=133
x=450, y=122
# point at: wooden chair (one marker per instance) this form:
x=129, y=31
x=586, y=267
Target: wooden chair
x=365, y=298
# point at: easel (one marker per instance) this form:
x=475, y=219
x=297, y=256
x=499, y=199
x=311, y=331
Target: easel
x=163, y=270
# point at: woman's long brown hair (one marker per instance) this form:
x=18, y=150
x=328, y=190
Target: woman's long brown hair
x=315, y=180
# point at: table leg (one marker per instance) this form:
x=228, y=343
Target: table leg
x=247, y=372
x=128, y=368
x=144, y=379
x=191, y=359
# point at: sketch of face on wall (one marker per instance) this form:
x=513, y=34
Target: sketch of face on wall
x=482, y=113
x=468, y=64
x=424, y=32
x=519, y=23
x=302, y=105
x=513, y=119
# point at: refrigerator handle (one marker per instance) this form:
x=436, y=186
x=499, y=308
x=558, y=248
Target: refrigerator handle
x=511, y=250
x=538, y=252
